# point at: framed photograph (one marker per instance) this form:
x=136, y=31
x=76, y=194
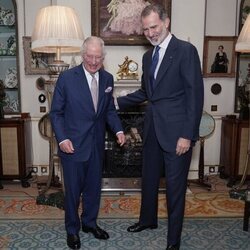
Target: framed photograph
x=118, y=22
x=219, y=56
x=35, y=63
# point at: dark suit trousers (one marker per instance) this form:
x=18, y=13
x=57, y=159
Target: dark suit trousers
x=176, y=172
x=82, y=180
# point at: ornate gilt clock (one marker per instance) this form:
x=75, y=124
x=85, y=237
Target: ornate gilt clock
x=128, y=70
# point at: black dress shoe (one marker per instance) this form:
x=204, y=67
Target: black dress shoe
x=138, y=228
x=173, y=247
x=73, y=241
x=97, y=232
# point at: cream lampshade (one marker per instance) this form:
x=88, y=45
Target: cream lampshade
x=57, y=30
x=243, y=42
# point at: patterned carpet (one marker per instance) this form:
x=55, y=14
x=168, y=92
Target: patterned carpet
x=212, y=221
x=17, y=202
x=211, y=205
x=199, y=234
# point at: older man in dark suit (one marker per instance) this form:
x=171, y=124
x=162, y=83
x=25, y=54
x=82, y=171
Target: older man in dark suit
x=82, y=105
x=172, y=85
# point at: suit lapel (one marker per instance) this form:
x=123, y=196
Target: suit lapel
x=146, y=73
x=102, y=87
x=85, y=90
x=84, y=87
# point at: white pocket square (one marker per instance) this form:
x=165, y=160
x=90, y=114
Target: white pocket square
x=107, y=90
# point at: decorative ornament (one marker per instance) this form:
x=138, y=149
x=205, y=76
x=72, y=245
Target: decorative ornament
x=128, y=70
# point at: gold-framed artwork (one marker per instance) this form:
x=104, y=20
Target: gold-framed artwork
x=219, y=56
x=118, y=22
x=35, y=63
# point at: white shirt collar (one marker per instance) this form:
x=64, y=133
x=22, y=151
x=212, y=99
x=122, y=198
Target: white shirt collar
x=89, y=76
x=166, y=41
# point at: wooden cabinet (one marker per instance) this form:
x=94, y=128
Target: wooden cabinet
x=234, y=145
x=9, y=70
x=12, y=148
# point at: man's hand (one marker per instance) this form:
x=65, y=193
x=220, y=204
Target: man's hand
x=183, y=145
x=121, y=139
x=67, y=147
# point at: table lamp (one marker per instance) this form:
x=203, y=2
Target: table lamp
x=243, y=46
x=57, y=30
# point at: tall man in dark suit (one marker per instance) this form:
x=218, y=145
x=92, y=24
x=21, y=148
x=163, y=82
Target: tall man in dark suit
x=172, y=85
x=82, y=105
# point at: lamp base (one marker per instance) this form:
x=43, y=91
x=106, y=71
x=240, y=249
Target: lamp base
x=240, y=194
x=53, y=199
x=56, y=68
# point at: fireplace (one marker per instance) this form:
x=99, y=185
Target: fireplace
x=126, y=161
x=123, y=165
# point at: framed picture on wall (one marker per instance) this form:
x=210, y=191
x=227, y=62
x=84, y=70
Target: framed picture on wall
x=35, y=63
x=118, y=22
x=219, y=56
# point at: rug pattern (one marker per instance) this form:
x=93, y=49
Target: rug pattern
x=216, y=234
x=198, y=205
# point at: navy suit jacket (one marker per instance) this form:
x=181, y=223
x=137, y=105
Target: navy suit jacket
x=175, y=107
x=73, y=116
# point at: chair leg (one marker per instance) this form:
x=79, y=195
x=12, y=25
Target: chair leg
x=246, y=216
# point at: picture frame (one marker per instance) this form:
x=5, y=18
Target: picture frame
x=35, y=63
x=103, y=13
x=222, y=64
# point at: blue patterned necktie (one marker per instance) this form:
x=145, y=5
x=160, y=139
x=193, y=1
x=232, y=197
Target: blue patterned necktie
x=154, y=63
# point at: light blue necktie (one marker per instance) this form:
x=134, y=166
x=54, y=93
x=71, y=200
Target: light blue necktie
x=94, y=91
x=154, y=63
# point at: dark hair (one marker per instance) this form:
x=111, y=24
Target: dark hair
x=221, y=46
x=157, y=8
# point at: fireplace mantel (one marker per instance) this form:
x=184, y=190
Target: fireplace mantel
x=122, y=88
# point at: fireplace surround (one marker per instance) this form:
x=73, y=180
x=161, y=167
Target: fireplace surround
x=123, y=165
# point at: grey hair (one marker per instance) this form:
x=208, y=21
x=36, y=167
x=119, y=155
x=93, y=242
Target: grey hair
x=93, y=39
x=157, y=8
